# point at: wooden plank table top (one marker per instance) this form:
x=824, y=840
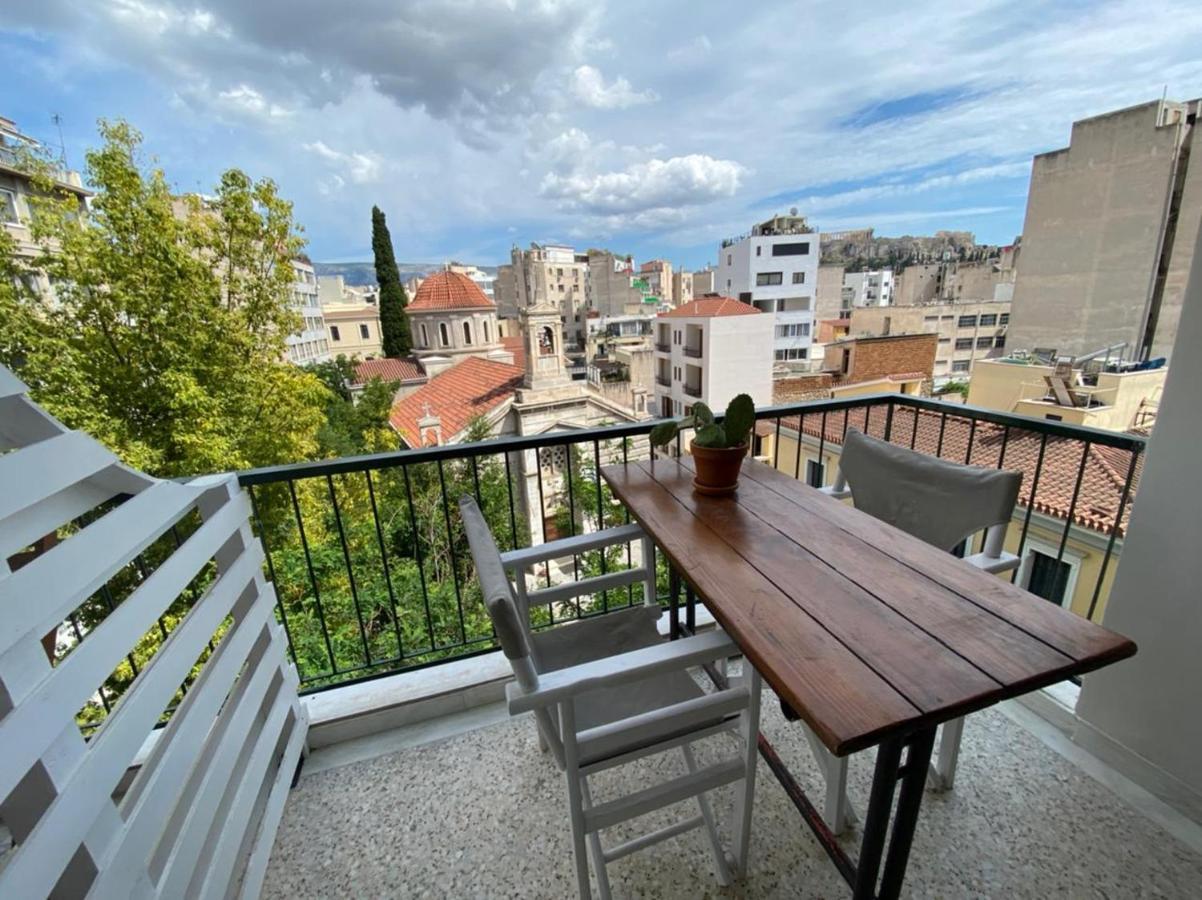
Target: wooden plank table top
x=864, y=630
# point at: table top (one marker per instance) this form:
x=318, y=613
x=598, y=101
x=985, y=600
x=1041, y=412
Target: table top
x=864, y=630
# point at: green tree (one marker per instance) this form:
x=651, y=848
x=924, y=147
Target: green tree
x=394, y=324
x=166, y=338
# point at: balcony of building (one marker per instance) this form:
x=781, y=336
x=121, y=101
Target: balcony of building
x=694, y=337
x=417, y=781
x=692, y=380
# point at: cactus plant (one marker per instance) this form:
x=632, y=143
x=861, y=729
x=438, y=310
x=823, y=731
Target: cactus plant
x=732, y=431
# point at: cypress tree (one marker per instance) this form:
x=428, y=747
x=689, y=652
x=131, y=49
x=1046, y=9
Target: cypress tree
x=394, y=324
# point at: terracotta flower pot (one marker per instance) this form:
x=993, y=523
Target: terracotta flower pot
x=717, y=468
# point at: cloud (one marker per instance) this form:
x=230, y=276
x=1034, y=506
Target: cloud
x=359, y=168
x=246, y=100
x=656, y=185
x=698, y=48
x=588, y=84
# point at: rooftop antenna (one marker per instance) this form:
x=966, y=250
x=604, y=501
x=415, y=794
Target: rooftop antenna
x=62, y=147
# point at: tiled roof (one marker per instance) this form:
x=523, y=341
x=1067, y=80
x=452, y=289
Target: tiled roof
x=956, y=438
x=517, y=346
x=405, y=369
x=449, y=290
x=466, y=390
x=712, y=306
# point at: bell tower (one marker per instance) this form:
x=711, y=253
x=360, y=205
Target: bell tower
x=542, y=331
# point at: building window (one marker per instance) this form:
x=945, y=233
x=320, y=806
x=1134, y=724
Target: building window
x=967, y=322
x=728, y=263
x=799, y=249
x=961, y=365
x=792, y=353
x=425, y=336
x=1004, y=319
x=930, y=318
x=984, y=342
x=487, y=333
x=799, y=277
x=988, y=319
x=8, y=207
x=444, y=334
x=814, y=473
x=334, y=335
x=467, y=332
x=1000, y=341
x=1047, y=577
x=364, y=331
x=793, y=329
x=766, y=278
x=963, y=343
x=757, y=251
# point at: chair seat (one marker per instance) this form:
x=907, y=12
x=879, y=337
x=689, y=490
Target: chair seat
x=605, y=636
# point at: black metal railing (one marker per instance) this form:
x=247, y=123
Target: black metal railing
x=692, y=390
x=663, y=348
x=663, y=381
x=373, y=575
x=694, y=352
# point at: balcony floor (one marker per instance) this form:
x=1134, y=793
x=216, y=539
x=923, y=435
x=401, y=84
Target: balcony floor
x=483, y=814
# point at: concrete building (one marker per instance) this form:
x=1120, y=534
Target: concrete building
x=711, y=349
x=311, y=343
x=483, y=280
x=775, y=269
x=873, y=287
x=966, y=332
x=352, y=322
x=1109, y=234
x=546, y=273
x=657, y=273
x=17, y=191
x=703, y=283
x=828, y=295
x=682, y=287
x=1114, y=400
x=611, y=286
x=901, y=363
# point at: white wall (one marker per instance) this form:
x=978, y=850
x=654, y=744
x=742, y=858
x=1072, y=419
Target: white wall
x=1151, y=703
x=737, y=359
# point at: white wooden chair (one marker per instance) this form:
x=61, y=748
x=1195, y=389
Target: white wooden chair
x=609, y=690
x=942, y=503
x=200, y=815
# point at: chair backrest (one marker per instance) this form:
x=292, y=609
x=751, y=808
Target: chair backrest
x=512, y=632
x=937, y=501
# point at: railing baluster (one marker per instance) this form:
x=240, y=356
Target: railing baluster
x=801, y=434
x=350, y=573
x=889, y=421
x=1114, y=531
x=375, y=514
x=972, y=433
x=321, y=614
x=542, y=515
x=1022, y=539
x=776, y=446
x=417, y=551
x=942, y=429
x=914, y=429
x=601, y=516
x=1072, y=506
x=513, y=522
x=446, y=514
x=822, y=448
x=569, y=458
x=476, y=482
x=279, y=601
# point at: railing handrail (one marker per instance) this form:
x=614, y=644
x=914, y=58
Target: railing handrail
x=493, y=446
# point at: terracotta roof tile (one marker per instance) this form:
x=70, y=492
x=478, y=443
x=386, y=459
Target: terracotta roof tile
x=956, y=438
x=468, y=389
x=449, y=290
x=405, y=369
x=712, y=306
x=517, y=346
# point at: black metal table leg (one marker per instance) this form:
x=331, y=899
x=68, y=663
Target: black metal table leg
x=673, y=603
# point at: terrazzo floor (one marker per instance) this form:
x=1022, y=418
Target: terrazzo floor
x=483, y=814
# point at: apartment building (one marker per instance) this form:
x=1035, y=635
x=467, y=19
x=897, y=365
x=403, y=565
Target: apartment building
x=612, y=288
x=703, y=283
x=311, y=343
x=712, y=349
x=657, y=273
x=965, y=332
x=16, y=192
x=546, y=273
x=775, y=269
x=682, y=287
x=483, y=280
x=828, y=293
x=901, y=363
x=873, y=287
x=352, y=318
x=1109, y=234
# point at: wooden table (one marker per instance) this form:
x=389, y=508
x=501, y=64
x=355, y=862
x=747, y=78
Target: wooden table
x=873, y=636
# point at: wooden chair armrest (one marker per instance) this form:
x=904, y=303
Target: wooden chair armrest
x=524, y=556
x=635, y=665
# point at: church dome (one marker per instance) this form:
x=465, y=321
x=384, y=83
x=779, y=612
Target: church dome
x=446, y=291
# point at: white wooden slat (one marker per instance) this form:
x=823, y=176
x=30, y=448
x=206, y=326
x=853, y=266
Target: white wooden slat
x=148, y=803
x=591, y=585
x=683, y=787
x=10, y=384
x=524, y=556
x=220, y=762
x=245, y=792
x=22, y=423
x=65, y=688
x=31, y=872
x=72, y=571
x=255, y=868
x=35, y=472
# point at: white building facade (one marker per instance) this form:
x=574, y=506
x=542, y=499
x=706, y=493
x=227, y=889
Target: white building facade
x=712, y=349
x=775, y=269
x=868, y=288
x=310, y=344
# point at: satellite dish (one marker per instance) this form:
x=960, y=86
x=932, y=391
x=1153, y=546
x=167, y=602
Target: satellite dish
x=792, y=210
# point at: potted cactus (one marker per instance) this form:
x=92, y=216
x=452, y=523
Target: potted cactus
x=717, y=447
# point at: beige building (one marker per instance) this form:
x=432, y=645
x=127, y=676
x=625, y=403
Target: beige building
x=967, y=332
x=828, y=295
x=352, y=323
x=16, y=192
x=682, y=287
x=657, y=274
x=546, y=273
x=1115, y=401
x=451, y=320
x=612, y=289
x=1109, y=234
x=703, y=282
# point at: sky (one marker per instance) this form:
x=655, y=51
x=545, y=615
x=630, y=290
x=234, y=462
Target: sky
x=655, y=129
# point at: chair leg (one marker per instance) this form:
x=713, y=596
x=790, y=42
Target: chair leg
x=711, y=825
x=838, y=812
x=594, y=845
x=567, y=715
x=750, y=732
x=942, y=774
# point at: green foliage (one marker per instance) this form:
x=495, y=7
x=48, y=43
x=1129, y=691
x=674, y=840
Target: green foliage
x=955, y=387
x=336, y=374
x=394, y=324
x=166, y=337
x=732, y=431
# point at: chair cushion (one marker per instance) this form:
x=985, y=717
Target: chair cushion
x=608, y=635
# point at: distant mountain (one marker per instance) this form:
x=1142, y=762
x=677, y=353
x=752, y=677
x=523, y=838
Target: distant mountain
x=360, y=273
